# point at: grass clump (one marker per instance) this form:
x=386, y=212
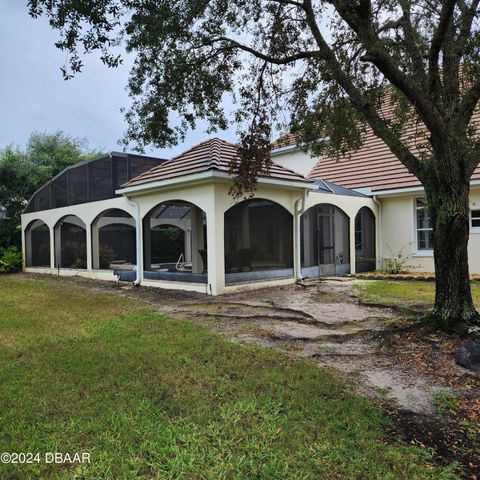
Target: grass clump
x=402, y=293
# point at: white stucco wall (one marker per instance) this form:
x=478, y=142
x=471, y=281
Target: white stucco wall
x=398, y=232
x=295, y=159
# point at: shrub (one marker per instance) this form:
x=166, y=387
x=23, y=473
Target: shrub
x=10, y=259
x=396, y=262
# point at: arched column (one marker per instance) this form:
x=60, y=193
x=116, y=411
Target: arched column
x=353, y=263
x=215, y=249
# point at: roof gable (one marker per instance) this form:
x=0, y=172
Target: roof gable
x=213, y=154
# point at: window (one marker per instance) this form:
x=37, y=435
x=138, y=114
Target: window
x=475, y=218
x=423, y=225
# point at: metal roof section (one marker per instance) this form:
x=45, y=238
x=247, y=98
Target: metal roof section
x=214, y=155
x=324, y=186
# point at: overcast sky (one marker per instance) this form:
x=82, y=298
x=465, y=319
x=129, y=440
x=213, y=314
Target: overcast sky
x=34, y=96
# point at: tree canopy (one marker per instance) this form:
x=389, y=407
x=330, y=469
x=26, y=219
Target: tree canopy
x=24, y=170
x=318, y=64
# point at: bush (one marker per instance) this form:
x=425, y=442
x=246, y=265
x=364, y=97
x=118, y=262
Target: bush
x=10, y=259
x=396, y=263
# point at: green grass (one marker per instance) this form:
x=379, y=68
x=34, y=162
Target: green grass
x=402, y=293
x=445, y=401
x=154, y=398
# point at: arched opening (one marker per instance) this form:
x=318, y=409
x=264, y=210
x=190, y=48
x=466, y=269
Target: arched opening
x=70, y=243
x=258, y=241
x=365, y=240
x=113, y=240
x=37, y=244
x=325, y=241
x=175, y=242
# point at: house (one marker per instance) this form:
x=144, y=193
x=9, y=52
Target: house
x=173, y=224
x=403, y=223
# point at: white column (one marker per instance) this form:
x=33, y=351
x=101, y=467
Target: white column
x=51, y=231
x=352, y=245
x=93, y=246
x=57, y=242
x=215, y=249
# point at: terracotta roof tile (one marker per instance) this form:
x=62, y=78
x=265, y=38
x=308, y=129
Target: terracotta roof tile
x=214, y=154
x=372, y=166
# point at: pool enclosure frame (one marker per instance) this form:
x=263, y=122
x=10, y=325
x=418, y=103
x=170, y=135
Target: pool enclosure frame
x=220, y=268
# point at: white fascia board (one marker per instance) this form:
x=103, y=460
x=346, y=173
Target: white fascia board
x=194, y=177
x=287, y=149
x=407, y=190
x=203, y=176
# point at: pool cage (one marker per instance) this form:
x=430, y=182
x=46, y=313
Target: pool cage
x=90, y=181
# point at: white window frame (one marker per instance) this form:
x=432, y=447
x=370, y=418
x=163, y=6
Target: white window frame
x=470, y=220
x=426, y=252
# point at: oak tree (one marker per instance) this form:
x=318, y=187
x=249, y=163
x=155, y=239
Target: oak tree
x=327, y=69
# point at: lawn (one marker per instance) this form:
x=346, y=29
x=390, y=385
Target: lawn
x=155, y=398
x=403, y=293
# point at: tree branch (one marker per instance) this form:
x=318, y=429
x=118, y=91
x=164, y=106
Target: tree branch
x=379, y=126
x=359, y=19
x=263, y=56
x=410, y=41
x=438, y=37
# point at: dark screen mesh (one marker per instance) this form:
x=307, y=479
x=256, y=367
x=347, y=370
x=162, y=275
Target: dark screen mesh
x=168, y=243
x=120, y=171
x=116, y=240
x=39, y=245
x=42, y=199
x=324, y=236
x=258, y=236
x=116, y=245
x=59, y=191
x=139, y=165
x=93, y=181
x=73, y=240
x=78, y=185
x=101, y=186
x=365, y=240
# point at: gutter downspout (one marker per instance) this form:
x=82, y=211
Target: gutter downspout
x=298, y=214
x=379, y=232
x=138, y=236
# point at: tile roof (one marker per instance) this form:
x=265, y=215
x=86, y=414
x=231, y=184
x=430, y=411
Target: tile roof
x=372, y=166
x=214, y=154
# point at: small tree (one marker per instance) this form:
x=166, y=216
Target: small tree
x=23, y=171
x=330, y=65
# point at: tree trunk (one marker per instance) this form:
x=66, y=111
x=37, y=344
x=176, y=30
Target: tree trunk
x=449, y=209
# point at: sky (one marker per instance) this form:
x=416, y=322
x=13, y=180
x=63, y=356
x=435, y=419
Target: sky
x=34, y=96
